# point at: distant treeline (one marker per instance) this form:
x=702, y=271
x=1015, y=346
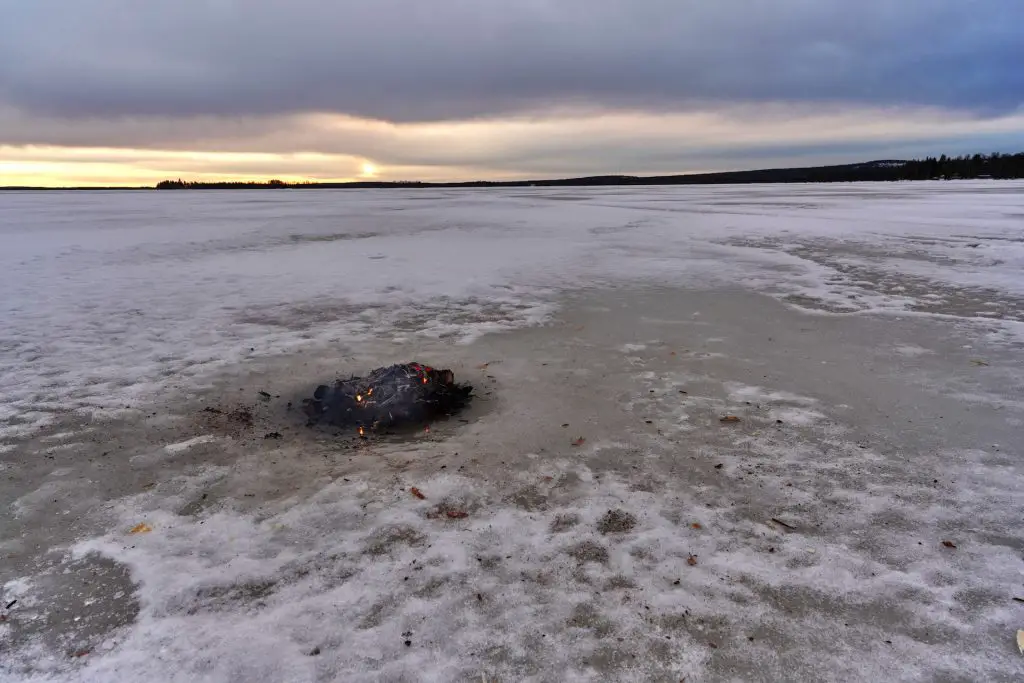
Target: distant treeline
x=996, y=166
x=1001, y=166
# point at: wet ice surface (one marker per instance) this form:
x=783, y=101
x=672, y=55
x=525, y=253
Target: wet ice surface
x=804, y=541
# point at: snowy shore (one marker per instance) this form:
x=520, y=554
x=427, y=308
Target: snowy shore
x=592, y=517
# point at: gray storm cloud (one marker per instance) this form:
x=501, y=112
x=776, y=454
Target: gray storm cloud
x=404, y=61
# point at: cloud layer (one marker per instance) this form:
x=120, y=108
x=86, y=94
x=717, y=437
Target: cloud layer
x=404, y=60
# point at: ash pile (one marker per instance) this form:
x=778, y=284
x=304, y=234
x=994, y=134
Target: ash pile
x=398, y=396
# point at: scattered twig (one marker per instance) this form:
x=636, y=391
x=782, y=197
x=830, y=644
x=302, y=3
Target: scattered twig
x=578, y=441
x=456, y=514
x=11, y=604
x=1018, y=599
x=949, y=544
x=729, y=418
x=781, y=523
x=416, y=492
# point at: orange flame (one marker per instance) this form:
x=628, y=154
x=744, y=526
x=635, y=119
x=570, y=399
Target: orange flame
x=361, y=432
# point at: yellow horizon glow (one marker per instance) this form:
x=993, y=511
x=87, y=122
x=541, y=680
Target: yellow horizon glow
x=58, y=175
x=56, y=167
x=49, y=166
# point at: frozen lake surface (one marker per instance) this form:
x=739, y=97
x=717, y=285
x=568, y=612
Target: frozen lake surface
x=110, y=296
x=861, y=518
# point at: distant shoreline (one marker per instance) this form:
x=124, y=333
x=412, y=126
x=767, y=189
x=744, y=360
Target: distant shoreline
x=969, y=167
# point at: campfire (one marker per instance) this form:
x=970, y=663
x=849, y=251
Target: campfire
x=392, y=397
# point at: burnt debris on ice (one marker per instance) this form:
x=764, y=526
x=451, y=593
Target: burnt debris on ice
x=403, y=395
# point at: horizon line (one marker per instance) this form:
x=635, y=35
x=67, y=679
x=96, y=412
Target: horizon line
x=713, y=177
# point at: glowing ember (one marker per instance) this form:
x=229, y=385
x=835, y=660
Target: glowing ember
x=358, y=397
x=361, y=432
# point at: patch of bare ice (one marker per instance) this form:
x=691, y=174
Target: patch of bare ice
x=912, y=350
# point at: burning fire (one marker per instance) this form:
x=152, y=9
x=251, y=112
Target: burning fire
x=361, y=432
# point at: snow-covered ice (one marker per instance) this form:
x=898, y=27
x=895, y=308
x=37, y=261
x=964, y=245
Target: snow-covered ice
x=868, y=337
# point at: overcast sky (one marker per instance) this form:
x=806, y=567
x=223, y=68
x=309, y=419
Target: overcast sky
x=129, y=91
